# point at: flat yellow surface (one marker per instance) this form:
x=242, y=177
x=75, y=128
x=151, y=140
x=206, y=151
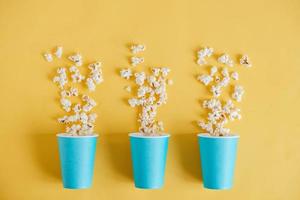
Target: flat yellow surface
x=268, y=164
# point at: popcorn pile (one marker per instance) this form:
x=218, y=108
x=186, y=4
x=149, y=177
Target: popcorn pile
x=151, y=94
x=81, y=120
x=220, y=112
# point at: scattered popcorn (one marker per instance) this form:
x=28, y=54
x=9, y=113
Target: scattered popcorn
x=235, y=76
x=48, y=57
x=225, y=59
x=238, y=93
x=126, y=73
x=81, y=120
x=58, y=52
x=76, y=59
x=221, y=112
x=137, y=48
x=245, y=61
x=133, y=102
x=205, y=79
x=136, y=60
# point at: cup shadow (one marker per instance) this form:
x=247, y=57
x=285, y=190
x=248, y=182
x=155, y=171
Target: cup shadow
x=46, y=155
x=189, y=155
x=117, y=147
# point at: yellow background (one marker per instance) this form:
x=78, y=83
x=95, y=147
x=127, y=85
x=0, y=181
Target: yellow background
x=268, y=156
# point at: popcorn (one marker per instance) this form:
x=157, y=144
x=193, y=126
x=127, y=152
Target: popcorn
x=96, y=72
x=76, y=76
x=205, y=79
x=126, y=73
x=63, y=120
x=140, y=78
x=245, y=61
x=48, y=57
x=213, y=70
x=216, y=90
x=225, y=59
x=156, y=71
x=136, y=60
x=61, y=78
x=201, y=54
x=165, y=71
x=80, y=120
x=220, y=112
x=90, y=84
x=137, y=48
x=225, y=72
x=66, y=104
x=133, y=102
x=76, y=59
x=58, y=52
x=235, y=76
x=77, y=108
x=238, y=93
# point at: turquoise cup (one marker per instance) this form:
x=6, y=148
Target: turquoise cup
x=77, y=155
x=148, y=154
x=218, y=156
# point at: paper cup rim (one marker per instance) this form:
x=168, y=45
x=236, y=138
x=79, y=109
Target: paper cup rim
x=137, y=135
x=206, y=135
x=76, y=136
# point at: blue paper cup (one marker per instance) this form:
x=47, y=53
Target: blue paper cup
x=149, y=155
x=218, y=155
x=77, y=155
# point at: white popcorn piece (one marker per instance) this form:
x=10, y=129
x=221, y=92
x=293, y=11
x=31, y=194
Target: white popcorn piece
x=224, y=82
x=216, y=90
x=235, y=114
x=165, y=71
x=58, y=52
x=76, y=76
x=137, y=48
x=63, y=120
x=76, y=59
x=66, y=104
x=92, y=118
x=96, y=72
x=235, y=76
x=245, y=61
x=126, y=73
x=156, y=71
x=140, y=78
x=90, y=84
x=202, y=54
x=213, y=70
x=133, y=102
x=48, y=57
x=238, y=93
x=61, y=78
x=77, y=108
x=225, y=72
x=136, y=60
x=205, y=79
x=225, y=59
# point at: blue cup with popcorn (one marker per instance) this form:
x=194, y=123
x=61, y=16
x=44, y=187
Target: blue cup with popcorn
x=148, y=154
x=77, y=156
x=218, y=157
